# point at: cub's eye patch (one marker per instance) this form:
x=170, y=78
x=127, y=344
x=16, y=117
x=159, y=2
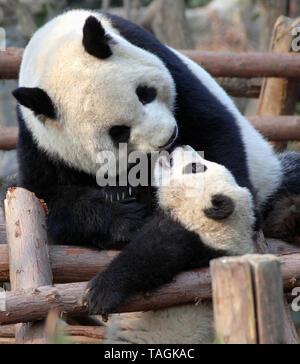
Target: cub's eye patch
x=120, y=134
x=146, y=94
x=194, y=168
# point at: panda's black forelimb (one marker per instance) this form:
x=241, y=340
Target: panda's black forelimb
x=161, y=250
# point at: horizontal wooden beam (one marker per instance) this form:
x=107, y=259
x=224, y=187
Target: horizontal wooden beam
x=69, y=264
x=74, y=264
x=275, y=128
x=29, y=306
x=10, y=62
x=247, y=65
x=218, y=64
x=8, y=138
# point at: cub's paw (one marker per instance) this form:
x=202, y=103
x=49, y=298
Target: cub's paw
x=103, y=297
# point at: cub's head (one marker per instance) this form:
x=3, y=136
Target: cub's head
x=205, y=198
x=84, y=89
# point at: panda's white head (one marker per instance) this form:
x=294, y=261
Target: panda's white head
x=205, y=198
x=85, y=89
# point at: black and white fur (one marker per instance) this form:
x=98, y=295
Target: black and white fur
x=89, y=81
x=201, y=202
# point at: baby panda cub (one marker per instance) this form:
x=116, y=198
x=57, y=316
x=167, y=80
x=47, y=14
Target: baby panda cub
x=208, y=215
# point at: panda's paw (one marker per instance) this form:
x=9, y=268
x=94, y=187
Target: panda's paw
x=130, y=217
x=102, y=296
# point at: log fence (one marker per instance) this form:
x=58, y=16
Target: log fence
x=250, y=294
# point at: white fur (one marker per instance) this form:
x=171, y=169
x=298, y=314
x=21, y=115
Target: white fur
x=186, y=324
x=264, y=167
x=92, y=95
x=184, y=196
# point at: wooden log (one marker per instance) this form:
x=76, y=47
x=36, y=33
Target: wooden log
x=218, y=64
x=31, y=305
x=269, y=302
x=233, y=299
x=280, y=128
x=8, y=332
x=248, y=300
x=73, y=264
x=8, y=138
x=10, y=62
x=29, y=263
x=279, y=95
x=246, y=65
x=264, y=246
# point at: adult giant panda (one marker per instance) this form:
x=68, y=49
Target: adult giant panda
x=90, y=81
x=201, y=202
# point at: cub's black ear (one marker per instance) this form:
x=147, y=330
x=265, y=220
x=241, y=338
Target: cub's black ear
x=36, y=100
x=95, y=39
x=223, y=207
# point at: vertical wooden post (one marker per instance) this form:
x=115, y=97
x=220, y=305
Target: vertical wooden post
x=28, y=253
x=248, y=300
x=290, y=333
x=233, y=299
x=279, y=95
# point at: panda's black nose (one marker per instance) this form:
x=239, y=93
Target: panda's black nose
x=171, y=140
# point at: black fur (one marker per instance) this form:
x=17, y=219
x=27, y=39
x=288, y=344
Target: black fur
x=162, y=250
x=95, y=39
x=223, y=207
x=80, y=212
x=290, y=163
x=36, y=100
x=120, y=134
x=204, y=122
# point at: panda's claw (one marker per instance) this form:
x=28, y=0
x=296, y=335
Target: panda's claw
x=102, y=297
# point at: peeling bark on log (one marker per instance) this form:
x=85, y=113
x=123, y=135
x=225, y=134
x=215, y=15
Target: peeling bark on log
x=27, y=306
x=218, y=64
x=32, y=305
x=8, y=138
x=72, y=264
x=28, y=253
x=69, y=264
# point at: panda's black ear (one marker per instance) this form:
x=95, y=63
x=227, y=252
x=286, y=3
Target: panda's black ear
x=223, y=207
x=36, y=100
x=95, y=39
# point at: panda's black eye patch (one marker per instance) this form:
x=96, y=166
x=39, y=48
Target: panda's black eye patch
x=194, y=168
x=120, y=134
x=146, y=94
